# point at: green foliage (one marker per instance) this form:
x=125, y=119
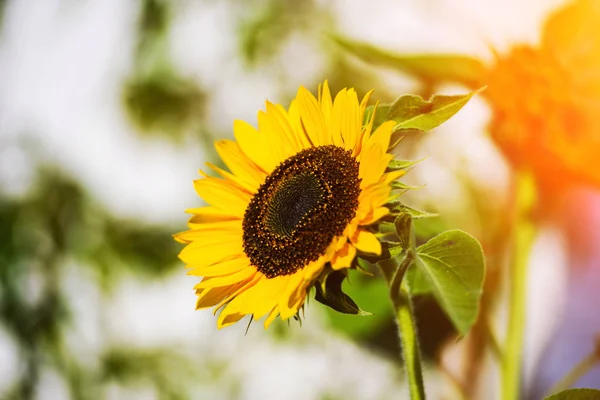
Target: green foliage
x=58, y=221
x=264, y=31
x=398, y=207
x=412, y=112
x=155, y=18
x=158, y=100
x=576, y=394
x=381, y=112
x=452, y=267
x=167, y=370
x=430, y=69
x=395, y=165
x=164, y=102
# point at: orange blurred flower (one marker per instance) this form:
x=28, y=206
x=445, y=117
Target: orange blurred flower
x=546, y=99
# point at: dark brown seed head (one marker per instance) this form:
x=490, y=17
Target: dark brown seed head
x=304, y=203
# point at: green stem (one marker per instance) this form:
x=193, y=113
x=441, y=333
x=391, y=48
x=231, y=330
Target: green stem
x=407, y=330
x=523, y=235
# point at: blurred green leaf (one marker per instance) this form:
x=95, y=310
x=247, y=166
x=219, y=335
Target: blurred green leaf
x=413, y=112
x=576, y=394
x=266, y=27
x=164, y=102
x=431, y=69
x=453, y=267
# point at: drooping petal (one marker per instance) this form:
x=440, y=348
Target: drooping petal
x=344, y=257
x=366, y=242
x=374, y=215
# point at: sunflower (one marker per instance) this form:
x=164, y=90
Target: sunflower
x=297, y=204
x=546, y=100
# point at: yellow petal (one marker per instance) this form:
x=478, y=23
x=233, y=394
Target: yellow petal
x=226, y=280
x=338, y=113
x=259, y=299
x=295, y=122
x=327, y=110
x=374, y=196
x=382, y=135
x=209, y=214
x=211, y=232
x=210, y=296
x=237, y=289
x=223, y=268
x=344, y=257
x=254, y=145
x=228, y=319
x=223, y=195
x=238, y=163
x=351, y=123
x=271, y=317
x=392, y=176
x=365, y=102
x=373, y=163
x=374, y=215
x=312, y=118
x=286, y=304
x=198, y=254
x=366, y=242
x=280, y=124
x=243, y=185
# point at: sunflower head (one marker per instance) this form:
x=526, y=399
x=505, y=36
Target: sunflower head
x=299, y=203
x=546, y=99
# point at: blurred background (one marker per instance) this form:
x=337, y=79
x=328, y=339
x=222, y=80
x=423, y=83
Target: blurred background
x=107, y=110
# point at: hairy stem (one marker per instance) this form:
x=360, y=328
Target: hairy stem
x=523, y=235
x=407, y=330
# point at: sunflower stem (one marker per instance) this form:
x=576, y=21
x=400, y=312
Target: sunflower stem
x=407, y=330
x=523, y=234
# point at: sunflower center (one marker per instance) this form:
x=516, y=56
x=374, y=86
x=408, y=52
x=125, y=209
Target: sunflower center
x=304, y=203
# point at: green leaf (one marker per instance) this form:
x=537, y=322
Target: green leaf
x=397, y=185
x=331, y=295
x=398, y=208
x=454, y=267
x=380, y=115
x=396, y=165
x=417, y=281
x=429, y=68
x=576, y=394
x=413, y=112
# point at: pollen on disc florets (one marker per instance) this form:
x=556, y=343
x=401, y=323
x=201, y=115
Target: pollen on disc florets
x=303, y=204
